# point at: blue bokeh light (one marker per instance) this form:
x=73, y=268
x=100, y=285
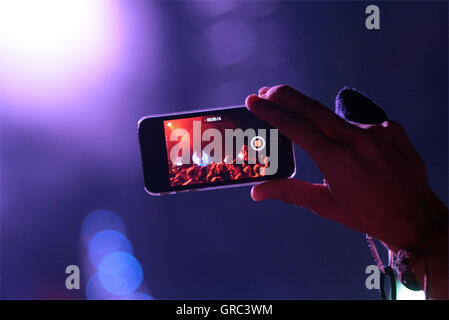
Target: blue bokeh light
x=95, y=290
x=137, y=296
x=106, y=242
x=100, y=220
x=120, y=273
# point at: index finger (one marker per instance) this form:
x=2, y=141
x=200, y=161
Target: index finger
x=318, y=145
x=311, y=109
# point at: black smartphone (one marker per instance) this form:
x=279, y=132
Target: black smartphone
x=210, y=149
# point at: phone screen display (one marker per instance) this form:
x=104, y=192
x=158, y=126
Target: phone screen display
x=211, y=149
x=197, y=153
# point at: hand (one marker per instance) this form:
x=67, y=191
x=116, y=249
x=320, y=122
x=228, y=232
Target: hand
x=375, y=181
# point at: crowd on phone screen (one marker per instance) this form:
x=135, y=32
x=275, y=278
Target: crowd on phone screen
x=187, y=174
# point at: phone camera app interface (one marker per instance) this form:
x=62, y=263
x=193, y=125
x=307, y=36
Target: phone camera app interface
x=221, y=147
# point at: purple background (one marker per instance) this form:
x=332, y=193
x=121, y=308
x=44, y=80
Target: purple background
x=69, y=148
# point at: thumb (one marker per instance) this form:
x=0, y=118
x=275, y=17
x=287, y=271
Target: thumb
x=308, y=195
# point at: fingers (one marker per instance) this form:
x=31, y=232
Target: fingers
x=263, y=90
x=310, y=109
x=294, y=126
x=312, y=196
x=400, y=137
x=404, y=144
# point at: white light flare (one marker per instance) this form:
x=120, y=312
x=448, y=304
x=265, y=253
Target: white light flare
x=178, y=161
x=196, y=160
x=404, y=293
x=204, y=159
x=54, y=50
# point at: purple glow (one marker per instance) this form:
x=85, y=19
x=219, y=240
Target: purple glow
x=98, y=221
x=106, y=242
x=53, y=50
x=226, y=47
x=137, y=296
x=215, y=8
x=96, y=291
x=120, y=273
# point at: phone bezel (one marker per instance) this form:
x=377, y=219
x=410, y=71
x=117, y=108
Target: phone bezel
x=155, y=161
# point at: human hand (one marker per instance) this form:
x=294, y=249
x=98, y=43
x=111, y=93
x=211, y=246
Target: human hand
x=375, y=181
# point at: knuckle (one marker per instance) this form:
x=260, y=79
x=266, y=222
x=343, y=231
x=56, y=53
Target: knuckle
x=322, y=200
x=367, y=137
x=397, y=129
x=277, y=92
x=288, y=194
x=375, y=132
x=394, y=125
x=369, y=143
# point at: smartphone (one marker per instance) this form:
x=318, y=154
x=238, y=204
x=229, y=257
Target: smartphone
x=211, y=149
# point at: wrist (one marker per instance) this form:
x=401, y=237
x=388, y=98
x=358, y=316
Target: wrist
x=422, y=258
x=433, y=225
x=426, y=267
x=432, y=268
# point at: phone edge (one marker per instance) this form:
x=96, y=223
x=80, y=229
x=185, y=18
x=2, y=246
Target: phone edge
x=186, y=112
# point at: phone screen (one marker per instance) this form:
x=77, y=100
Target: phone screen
x=212, y=149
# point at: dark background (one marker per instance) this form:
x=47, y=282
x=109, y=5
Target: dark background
x=69, y=148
